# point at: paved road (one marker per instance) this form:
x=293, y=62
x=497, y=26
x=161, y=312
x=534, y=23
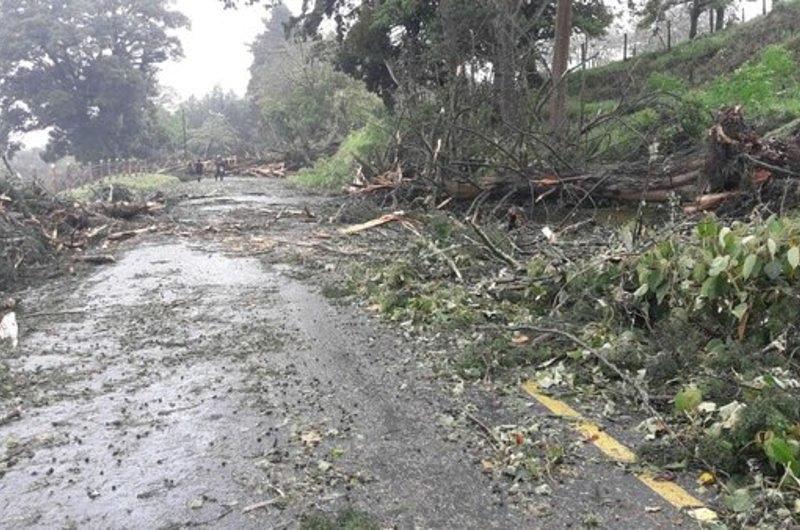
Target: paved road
x=201, y=381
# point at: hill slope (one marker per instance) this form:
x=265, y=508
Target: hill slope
x=699, y=61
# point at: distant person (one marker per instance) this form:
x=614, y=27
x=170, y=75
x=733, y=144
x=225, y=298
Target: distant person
x=219, y=164
x=198, y=169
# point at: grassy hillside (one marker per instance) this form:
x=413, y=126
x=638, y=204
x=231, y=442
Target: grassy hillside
x=699, y=61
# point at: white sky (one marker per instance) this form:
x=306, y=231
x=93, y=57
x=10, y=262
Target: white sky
x=216, y=48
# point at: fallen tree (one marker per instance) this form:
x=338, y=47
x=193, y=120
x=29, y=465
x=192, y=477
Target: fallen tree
x=735, y=164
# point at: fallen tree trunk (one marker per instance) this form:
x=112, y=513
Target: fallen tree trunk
x=736, y=161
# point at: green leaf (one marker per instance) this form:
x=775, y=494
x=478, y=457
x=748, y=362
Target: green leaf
x=739, y=311
x=688, y=399
x=772, y=246
x=719, y=265
x=700, y=272
x=748, y=266
x=707, y=228
x=641, y=291
x=780, y=451
x=722, y=235
x=710, y=287
x=739, y=501
x=794, y=257
x=662, y=291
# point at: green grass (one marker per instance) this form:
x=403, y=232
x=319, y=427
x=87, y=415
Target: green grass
x=699, y=61
x=334, y=172
x=768, y=88
x=144, y=183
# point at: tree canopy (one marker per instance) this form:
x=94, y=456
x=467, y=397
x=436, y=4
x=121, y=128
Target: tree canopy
x=85, y=70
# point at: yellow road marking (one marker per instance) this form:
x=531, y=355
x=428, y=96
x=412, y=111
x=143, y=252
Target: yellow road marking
x=668, y=490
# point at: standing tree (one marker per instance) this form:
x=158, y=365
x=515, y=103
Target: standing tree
x=558, y=102
x=85, y=70
x=654, y=11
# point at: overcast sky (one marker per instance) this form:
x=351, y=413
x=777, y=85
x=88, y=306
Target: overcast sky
x=216, y=48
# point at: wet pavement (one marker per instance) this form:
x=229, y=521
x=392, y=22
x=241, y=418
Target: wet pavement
x=196, y=383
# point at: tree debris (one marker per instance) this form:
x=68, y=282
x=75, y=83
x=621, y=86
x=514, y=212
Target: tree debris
x=380, y=221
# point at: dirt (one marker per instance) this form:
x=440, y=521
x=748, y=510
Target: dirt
x=204, y=380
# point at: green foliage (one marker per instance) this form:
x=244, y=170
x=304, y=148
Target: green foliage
x=306, y=107
x=334, y=172
x=688, y=399
x=661, y=82
x=737, y=276
x=87, y=70
x=327, y=173
x=219, y=123
x=696, y=62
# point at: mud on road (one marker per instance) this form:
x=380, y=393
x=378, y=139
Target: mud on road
x=203, y=380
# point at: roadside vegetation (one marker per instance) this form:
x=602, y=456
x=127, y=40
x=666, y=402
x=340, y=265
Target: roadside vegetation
x=141, y=184
x=700, y=317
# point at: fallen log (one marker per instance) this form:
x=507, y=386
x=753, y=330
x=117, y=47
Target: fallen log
x=710, y=201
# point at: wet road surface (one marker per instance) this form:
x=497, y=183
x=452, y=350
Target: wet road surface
x=194, y=383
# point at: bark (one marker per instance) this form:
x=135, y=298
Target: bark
x=694, y=18
x=505, y=67
x=720, y=25
x=558, y=101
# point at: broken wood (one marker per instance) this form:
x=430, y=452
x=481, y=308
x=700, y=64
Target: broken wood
x=127, y=234
x=710, y=201
x=129, y=210
x=276, y=170
x=380, y=221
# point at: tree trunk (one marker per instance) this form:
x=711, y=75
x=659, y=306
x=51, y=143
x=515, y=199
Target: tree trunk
x=694, y=18
x=558, y=102
x=505, y=66
x=720, y=25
